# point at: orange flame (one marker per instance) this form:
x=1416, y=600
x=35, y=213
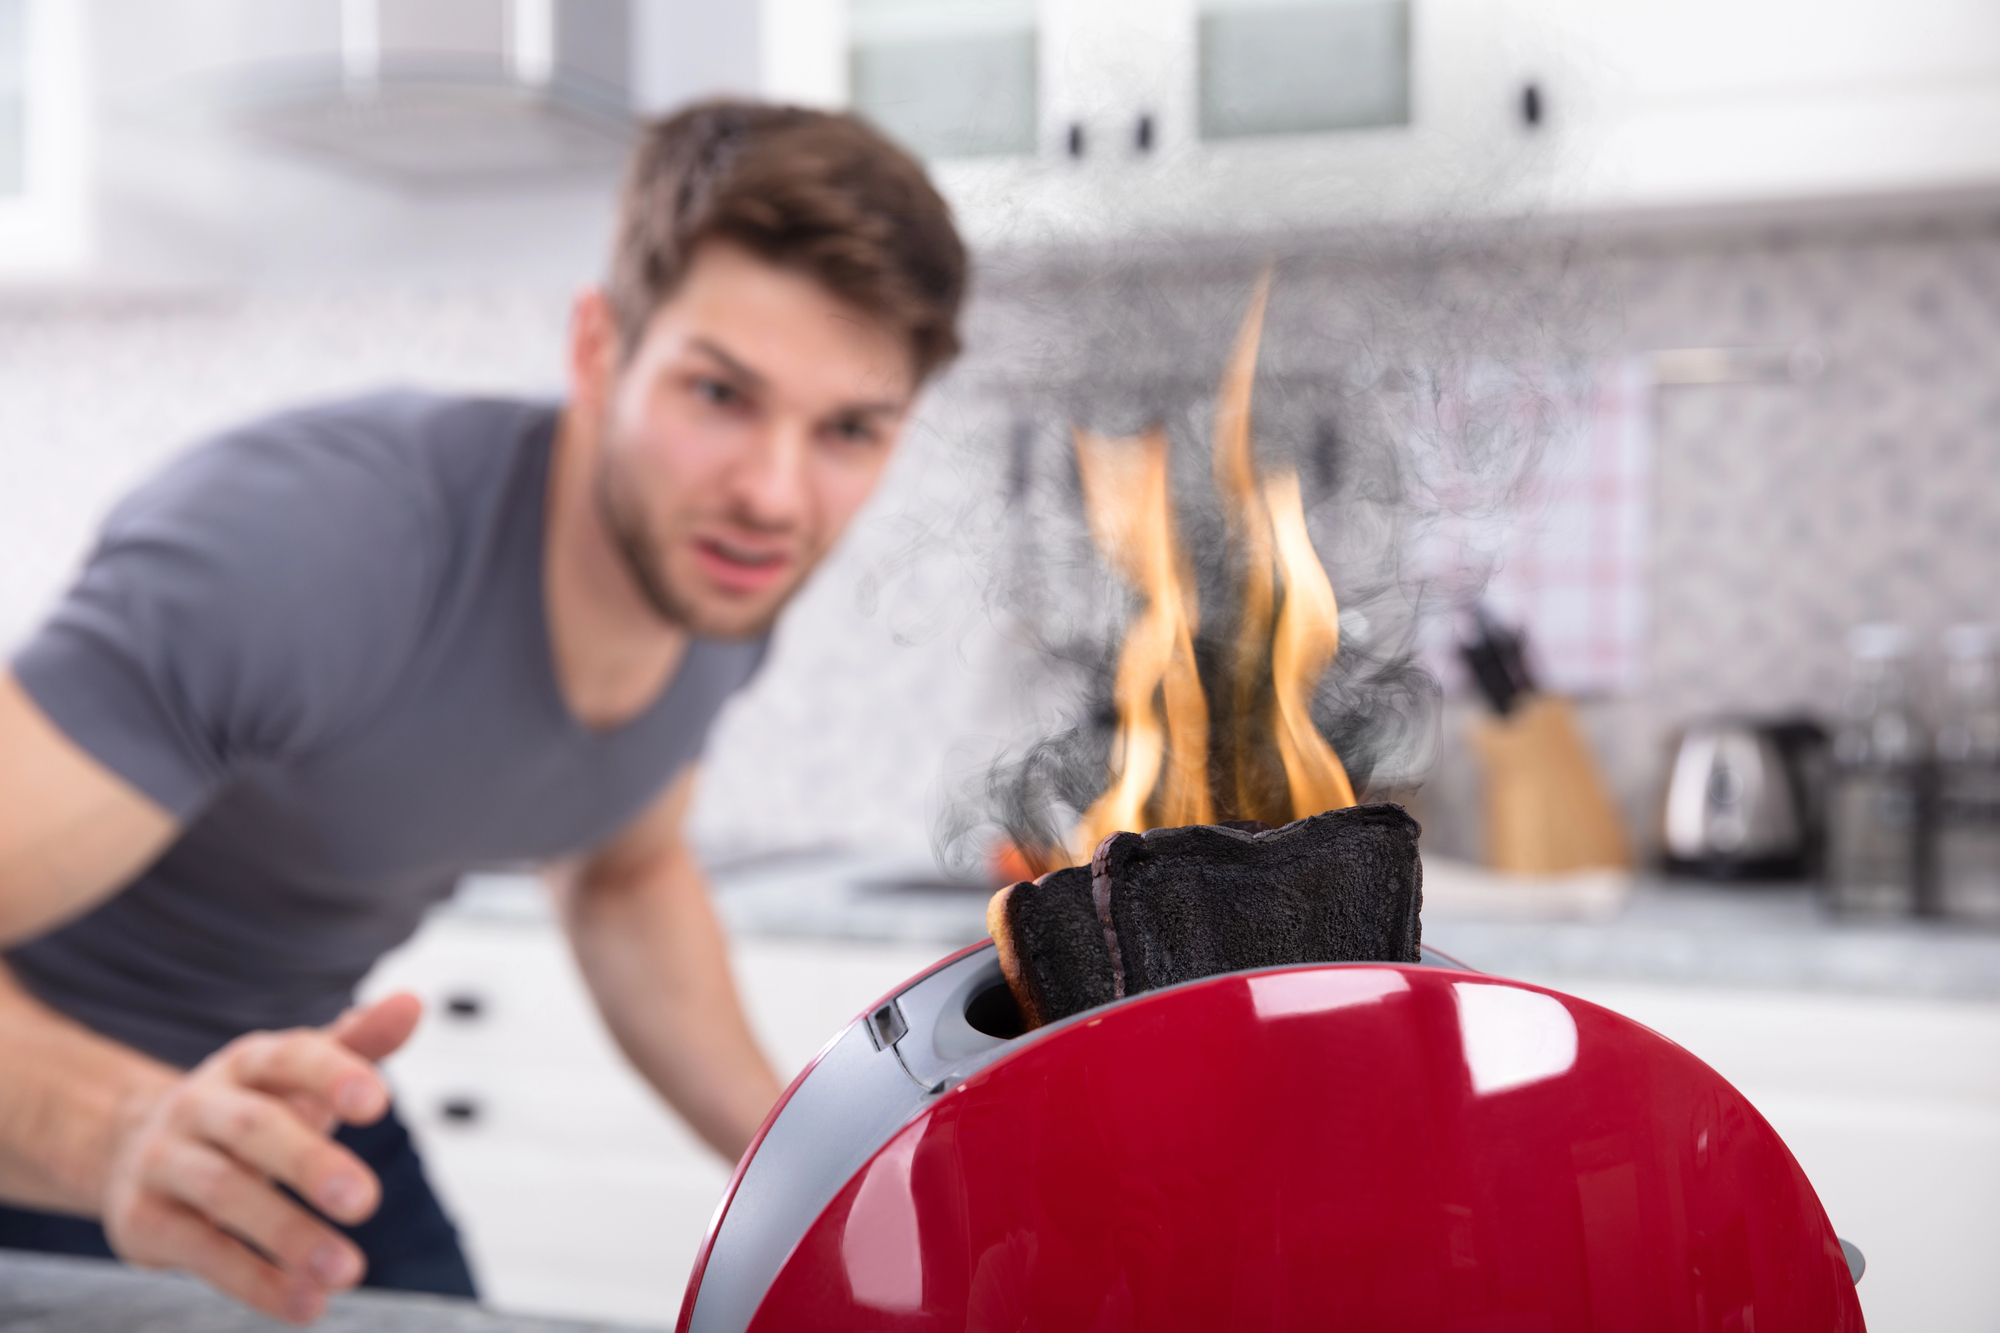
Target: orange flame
x=1131, y=517
x=1250, y=530
x=1308, y=636
x=1160, y=756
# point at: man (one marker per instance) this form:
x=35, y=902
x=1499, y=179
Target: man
x=330, y=661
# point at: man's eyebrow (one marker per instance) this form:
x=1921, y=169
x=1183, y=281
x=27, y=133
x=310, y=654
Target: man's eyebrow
x=879, y=407
x=729, y=363
x=885, y=407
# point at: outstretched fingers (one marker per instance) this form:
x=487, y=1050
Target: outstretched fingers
x=267, y=1136
x=242, y=1204
x=176, y=1236
x=195, y=1182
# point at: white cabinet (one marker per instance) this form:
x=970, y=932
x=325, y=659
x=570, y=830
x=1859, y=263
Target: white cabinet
x=1119, y=146
x=1513, y=107
x=1701, y=102
x=576, y=1191
x=1132, y=143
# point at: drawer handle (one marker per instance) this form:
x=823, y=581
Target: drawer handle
x=460, y=1110
x=464, y=1005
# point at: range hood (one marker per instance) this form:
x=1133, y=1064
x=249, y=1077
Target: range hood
x=458, y=94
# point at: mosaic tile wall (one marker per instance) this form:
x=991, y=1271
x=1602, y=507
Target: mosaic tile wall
x=1782, y=512
x=1790, y=511
x=95, y=395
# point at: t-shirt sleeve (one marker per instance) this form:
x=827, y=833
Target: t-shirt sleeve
x=259, y=594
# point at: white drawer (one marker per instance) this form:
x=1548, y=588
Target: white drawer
x=594, y=1235
x=579, y=1192
x=585, y=1108
x=496, y=988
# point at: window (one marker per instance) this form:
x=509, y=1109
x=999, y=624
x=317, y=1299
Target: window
x=1303, y=66
x=947, y=78
x=13, y=97
x=44, y=174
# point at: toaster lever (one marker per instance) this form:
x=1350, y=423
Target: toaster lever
x=887, y=1026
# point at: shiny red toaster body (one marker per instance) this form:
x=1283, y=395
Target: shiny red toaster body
x=1359, y=1146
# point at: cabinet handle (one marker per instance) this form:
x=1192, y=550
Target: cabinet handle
x=464, y=1005
x=460, y=1110
x=1531, y=105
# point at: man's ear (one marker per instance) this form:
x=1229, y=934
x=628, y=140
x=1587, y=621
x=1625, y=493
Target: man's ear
x=593, y=348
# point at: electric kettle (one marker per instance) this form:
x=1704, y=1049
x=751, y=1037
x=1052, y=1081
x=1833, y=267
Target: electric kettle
x=1742, y=799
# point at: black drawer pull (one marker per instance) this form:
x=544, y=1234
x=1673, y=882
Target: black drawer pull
x=464, y=1004
x=460, y=1110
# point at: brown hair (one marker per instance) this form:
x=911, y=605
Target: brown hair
x=811, y=190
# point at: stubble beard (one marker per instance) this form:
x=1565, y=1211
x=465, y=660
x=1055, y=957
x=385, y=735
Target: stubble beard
x=632, y=537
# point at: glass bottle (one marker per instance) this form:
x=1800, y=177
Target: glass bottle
x=1873, y=828
x=1968, y=776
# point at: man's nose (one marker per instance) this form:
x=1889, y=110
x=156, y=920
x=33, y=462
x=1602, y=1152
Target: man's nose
x=768, y=485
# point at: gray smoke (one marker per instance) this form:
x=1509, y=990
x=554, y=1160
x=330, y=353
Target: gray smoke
x=1412, y=381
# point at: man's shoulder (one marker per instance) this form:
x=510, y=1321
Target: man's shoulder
x=386, y=454
x=370, y=493
x=306, y=555
x=268, y=588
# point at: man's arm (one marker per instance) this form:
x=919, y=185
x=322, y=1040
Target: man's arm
x=178, y=1166
x=71, y=831
x=653, y=954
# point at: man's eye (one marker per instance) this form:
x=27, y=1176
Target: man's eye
x=855, y=430
x=716, y=393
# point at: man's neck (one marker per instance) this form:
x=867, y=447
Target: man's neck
x=613, y=654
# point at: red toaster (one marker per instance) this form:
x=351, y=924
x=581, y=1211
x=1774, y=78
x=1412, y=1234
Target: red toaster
x=1360, y=1146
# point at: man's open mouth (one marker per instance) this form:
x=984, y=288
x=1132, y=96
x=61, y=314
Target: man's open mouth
x=739, y=567
x=745, y=556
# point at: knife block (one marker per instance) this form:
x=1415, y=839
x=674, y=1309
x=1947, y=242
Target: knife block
x=1547, y=807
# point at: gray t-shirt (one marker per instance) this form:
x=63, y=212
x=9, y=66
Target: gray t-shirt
x=319, y=642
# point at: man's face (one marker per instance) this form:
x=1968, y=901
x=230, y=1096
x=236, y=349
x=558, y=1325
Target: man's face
x=740, y=436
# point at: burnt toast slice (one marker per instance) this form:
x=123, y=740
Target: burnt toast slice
x=1175, y=904
x=1340, y=887
x=1052, y=944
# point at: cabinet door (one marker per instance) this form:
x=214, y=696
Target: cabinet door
x=1682, y=102
x=1266, y=67
x=1153, y=123
x=1512, y=107
x=577, y=1192
x=947, y=78
x=1119, y=76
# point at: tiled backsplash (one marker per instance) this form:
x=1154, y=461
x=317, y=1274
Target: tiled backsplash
x=1782, y=512
x=1790, y=512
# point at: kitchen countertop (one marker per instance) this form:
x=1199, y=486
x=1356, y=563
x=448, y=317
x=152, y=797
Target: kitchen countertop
x=1766, y=936
x=1601, y=925
x=42, y=1293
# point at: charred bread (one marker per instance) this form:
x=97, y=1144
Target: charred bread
x=1173, y=905
x=1052, y=946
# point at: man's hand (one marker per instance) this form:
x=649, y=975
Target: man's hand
x=194, y=1182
